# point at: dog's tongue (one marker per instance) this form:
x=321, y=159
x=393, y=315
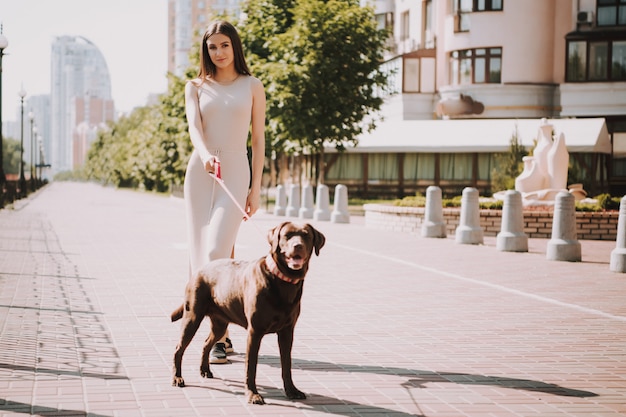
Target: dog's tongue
x=295, y=263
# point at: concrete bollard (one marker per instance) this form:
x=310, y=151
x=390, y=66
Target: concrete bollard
x=293, y=201
x=340, y=209
x=307, y=208
x=322, y=203
x=433, y=225
x=281, y=201
x=563, y=245
x=469, y=231
x=512, y=237
x=618, y=255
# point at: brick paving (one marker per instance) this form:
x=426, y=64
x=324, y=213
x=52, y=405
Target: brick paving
x=392, y=323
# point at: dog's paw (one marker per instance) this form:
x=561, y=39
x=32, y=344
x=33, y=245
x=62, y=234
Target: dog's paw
x=206, y=373
x=255, y=398
x=178, y=381
x=295, y=394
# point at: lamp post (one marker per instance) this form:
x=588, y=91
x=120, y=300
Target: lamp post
x=40, y=153
x=42, y=160
x=3, y=179
x=22, y=181
x=33, y=132
x=39, y=156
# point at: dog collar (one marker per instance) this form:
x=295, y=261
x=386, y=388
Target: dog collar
x=273, y=268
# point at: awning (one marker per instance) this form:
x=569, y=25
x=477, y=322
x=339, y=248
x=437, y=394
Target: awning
x=478, y=135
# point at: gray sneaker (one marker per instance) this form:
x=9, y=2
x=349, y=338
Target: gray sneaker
x=218, y=354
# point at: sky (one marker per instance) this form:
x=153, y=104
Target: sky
x=131, y=35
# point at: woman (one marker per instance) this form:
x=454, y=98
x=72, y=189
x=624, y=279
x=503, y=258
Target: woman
x=223, y=104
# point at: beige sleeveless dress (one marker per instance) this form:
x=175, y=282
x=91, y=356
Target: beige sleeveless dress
x=213, y=219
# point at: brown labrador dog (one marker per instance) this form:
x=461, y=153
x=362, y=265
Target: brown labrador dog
x=262, y=296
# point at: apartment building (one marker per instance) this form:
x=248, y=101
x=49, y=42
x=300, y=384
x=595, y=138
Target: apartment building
x=469, y=73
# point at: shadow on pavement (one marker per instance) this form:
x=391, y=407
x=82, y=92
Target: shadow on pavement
x=418, y=378
x=314, y=402
x=62, y=372
x=31, y=409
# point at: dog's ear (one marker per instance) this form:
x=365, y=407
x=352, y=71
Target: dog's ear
x=318, y=239
x=273, y=236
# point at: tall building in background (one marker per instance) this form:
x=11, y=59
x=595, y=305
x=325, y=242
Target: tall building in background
x=80, y=96
x=186, y=20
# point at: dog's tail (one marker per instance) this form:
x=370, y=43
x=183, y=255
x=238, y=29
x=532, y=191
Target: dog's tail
x=178, y=313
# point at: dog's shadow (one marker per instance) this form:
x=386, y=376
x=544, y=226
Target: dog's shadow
x=275, y=397
x=412, y=379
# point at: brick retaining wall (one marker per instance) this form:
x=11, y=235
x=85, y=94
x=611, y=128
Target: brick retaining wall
x=537, y=224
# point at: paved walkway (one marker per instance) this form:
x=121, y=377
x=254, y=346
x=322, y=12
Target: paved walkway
x=392, y=324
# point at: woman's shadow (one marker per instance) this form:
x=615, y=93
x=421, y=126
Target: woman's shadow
x=412, y=379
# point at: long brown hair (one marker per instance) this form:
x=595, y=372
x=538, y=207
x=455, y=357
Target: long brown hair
x=207, y=68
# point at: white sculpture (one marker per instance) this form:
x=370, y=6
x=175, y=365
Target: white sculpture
x=545, y=173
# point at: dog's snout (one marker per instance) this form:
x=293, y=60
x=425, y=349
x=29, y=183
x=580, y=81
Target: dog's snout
x=296, y=242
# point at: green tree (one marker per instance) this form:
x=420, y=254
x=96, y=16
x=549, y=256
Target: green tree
x=509, y=165
x=109, y=156
x=148, y=148
x=173, y=128
x=11, y=156
x=319, y=61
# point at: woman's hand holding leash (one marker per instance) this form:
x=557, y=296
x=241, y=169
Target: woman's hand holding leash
x=217, y=175
x=212, y=165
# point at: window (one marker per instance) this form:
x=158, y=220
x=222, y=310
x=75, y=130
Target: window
x=465, y=67
x=618, y=61
x=456, y=167
x=611, y=12
x=487, y=5
x=385, y=21
x=476, y=66
x=477, y=5
x=462, y=8
x=405, y=26
x=428, y=15
x=596, y=60
x=382, y=166
x=576, y=61
x=598, y=55
x=419, y=166
x=429, y=32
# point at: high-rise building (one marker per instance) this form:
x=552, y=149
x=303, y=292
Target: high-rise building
x=187, y=20
x=80, y=94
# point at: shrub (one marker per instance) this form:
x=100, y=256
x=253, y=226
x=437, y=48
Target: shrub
x=603, y=202
x=492, y=205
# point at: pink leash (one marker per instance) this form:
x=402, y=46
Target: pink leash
x=218, y=178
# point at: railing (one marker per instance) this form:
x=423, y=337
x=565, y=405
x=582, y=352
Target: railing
x=11, y=190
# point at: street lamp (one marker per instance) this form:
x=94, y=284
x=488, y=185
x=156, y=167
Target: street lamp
x=22, y=182
x=3, y=179
x=42, y=159
x=39, y=156
x=33, y=131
